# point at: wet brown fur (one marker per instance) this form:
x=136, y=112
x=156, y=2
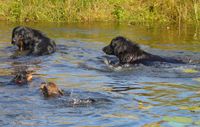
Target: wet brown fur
x=50, y=89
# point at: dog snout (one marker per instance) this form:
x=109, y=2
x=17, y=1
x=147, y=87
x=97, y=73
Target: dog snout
x=13, y=41
x=104, y=49
x=108, y=50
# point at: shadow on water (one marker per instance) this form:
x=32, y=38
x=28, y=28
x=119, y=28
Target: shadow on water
x=164, y=94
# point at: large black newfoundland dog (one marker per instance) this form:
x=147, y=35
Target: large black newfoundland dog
x=33, y=41
x=129, y=52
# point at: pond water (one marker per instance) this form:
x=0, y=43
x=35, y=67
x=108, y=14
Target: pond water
x=161, y=94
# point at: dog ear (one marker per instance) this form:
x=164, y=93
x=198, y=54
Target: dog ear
x=132, y=57
x=127, y=58
x=128, y=52
x=27, y=36
x=120, y=49
x=13, y=39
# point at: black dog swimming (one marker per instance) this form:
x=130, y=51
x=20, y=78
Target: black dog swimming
x=129, y=52
x=33, y=41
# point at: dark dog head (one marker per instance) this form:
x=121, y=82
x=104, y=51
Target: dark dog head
x=50, y=89
x=22, y=77
x=124, y=49
x=21, y=37
x=120, y=45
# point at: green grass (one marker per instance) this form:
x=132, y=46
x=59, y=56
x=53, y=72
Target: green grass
x=131, y=11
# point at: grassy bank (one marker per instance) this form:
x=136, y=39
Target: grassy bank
x=131, y=11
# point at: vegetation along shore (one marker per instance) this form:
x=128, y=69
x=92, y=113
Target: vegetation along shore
x=131, y=11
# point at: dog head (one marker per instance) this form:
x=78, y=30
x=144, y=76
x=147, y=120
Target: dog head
x=120, y=45
x=50, y=89
x=123, y=48
x=22, y=77
x=21, y=37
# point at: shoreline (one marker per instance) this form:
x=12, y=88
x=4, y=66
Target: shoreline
x=72, y=11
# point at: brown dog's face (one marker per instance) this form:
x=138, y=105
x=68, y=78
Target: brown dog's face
x=22, y=78
x=50, y=89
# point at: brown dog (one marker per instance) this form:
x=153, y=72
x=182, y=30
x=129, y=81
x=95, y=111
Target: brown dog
x=50, y=89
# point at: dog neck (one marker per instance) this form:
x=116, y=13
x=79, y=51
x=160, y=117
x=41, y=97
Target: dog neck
x=133, y=57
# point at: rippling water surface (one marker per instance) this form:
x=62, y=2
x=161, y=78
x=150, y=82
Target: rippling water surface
x=161, y=94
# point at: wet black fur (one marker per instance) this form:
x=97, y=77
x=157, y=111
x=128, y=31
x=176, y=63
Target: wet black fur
x=130, y=52
x=32, y=40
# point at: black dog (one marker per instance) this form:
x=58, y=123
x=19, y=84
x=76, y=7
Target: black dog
x=130, y=52
x=33, y=41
